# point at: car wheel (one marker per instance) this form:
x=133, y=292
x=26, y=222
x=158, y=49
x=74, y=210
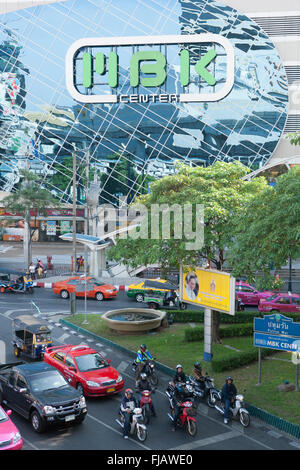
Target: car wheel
x=139, y=297
x=80, y=388
x=37, y=422
x=64, y=294
x=80, y=420
x=99, y=296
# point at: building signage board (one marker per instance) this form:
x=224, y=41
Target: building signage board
x=94, y=67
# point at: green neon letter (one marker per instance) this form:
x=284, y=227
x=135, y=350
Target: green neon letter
x=113, y=70
x=201, y=65
x=184, y=67
x=158, y=68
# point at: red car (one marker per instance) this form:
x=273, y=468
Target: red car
x=280, y=302
x=85, y=369
x=10, y=438
x=248, y=294
x=94, y=288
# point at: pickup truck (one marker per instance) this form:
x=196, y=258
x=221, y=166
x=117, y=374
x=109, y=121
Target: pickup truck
x=41, y=394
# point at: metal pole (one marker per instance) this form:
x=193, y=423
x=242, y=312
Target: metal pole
x=259, y=366
x=85, y=322
x=74, y=213
x=297, y=376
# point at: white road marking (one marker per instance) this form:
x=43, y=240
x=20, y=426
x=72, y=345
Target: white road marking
x=122, y=366
x=295, y=444
x=7, y=313
x=2, y=352
x=117, y=432
x=207, y=441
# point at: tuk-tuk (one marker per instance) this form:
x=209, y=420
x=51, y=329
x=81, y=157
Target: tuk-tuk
x=30, y=337
x=157, y=300
x=15, y=281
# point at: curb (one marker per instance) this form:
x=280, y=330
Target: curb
x=279, y=423
x=50, y=285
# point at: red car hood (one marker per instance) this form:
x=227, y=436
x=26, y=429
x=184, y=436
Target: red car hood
x=101, y=375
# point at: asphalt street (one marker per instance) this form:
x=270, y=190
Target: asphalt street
x=100, y=431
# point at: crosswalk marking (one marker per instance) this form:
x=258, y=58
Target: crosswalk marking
x=63, y=337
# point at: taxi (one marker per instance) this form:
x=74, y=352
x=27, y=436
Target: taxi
x=149, y=286
x=89, y=286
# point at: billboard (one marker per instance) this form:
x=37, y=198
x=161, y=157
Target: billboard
x=209, y=288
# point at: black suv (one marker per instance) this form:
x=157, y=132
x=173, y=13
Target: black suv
x=41, y=394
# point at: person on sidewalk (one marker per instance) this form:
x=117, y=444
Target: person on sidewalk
x=31, y=270
x=228, y=395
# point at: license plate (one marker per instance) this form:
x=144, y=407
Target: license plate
x=109, y=390
x=70, y=418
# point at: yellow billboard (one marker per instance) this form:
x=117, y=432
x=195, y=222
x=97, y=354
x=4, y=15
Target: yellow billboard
x=209, y=288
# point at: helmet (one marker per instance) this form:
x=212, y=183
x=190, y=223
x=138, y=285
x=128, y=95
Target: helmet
x=178, y=365
x=128, y=390
x=197, y=365
x=143, y=376
x=229, y=378
x=143, y=347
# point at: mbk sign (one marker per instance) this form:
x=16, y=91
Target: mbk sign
x=148, y=68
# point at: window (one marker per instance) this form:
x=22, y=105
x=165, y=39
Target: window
x=74, y=282
x=246, y=289
x=20, y=334
x=272, y=297
x=296, y=300
x=283, y=300
x=69, y=362
x=28, y=337
x=59, y=356
x=90, y=362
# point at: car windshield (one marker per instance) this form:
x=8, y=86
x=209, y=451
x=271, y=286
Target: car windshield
x=47, y=381
x=43, y=337
x=90, y=362
x=272, y=297
x=3, y=416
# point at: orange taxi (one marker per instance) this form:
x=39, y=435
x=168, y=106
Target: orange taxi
x=93, y=288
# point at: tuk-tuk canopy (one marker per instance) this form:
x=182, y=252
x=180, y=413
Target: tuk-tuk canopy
x=159, y=285
x=26, y=322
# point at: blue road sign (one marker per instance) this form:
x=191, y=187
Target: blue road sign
x=277, y=324
x=281, y=343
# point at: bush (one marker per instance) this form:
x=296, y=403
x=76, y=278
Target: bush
x=197, y=316
x=197, y=334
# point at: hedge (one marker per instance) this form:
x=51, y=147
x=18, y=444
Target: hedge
x=237, y=360
x=197, y=333
x=197, y=316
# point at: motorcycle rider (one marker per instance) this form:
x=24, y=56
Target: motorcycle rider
x=228, y=395
x=143, y=355
x=128, y=404
x=178, y=396
x=144, y=384
x=198, y=374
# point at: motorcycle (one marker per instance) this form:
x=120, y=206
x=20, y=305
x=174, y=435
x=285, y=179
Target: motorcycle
x=136, y=426
x=186, y=417
x=149, y=371
x=146, y=405
x=236, y=411
x=208, y=391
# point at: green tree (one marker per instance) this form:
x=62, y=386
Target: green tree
x=29, y=200
x=268, y=230
x=222, y=192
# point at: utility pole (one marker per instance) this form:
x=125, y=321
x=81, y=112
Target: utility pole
x=86, y=210
x=74, y=212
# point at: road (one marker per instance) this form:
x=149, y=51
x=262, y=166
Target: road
x=100, y=430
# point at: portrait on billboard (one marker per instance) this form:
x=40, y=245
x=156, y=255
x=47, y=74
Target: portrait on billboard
x=191, y=285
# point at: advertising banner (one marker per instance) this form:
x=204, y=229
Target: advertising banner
x=51, y=227
x=209, y=288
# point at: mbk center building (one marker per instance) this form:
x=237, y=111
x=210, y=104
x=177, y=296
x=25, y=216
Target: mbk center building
x=145, y=83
